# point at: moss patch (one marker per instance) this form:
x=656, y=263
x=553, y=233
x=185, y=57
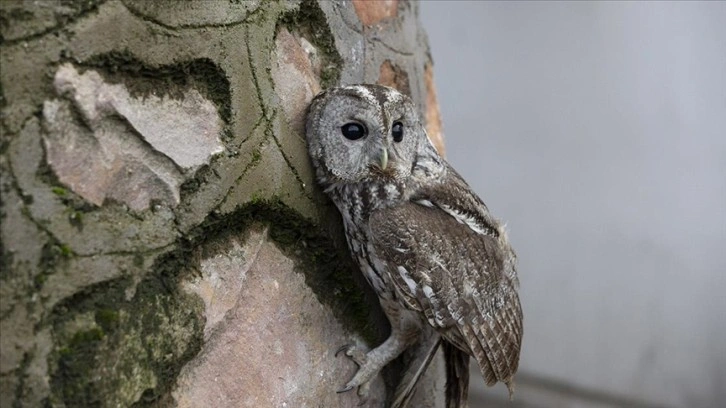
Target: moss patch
x=191, y=185
x=142, y=80
x=52, y=256
x=310, y=22
x=66, y=12
x=73, y=362
x=127, y=351
x=75, y=204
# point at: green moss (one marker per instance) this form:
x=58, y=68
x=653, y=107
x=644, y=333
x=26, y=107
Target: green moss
x=76, y=219
x=146, y=339
x=53, y=255
x=22, y=368
x=82, y=338
x=59, y=191
x=191, y=185
x=17, y=14
x=108, y=319
x=78, y=7
x=39, y=280
x=310, y=21
x=76, y=205
x=142, y=80
x=6, y=257
x=138, y=260
x=256, y=156
x=257, y=197
x=64, y=250
x=74, y=364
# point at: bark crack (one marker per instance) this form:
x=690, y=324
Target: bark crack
x=389, y=47
x=289, y=164
x=60, y=26
x=250, y=15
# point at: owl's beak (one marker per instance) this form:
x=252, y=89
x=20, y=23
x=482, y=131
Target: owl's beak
x=384, y=157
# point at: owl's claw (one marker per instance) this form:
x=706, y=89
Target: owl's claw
x=363, y=393
x=359, y=381
x=353, y=353
x=346, y=389
x=342, y=348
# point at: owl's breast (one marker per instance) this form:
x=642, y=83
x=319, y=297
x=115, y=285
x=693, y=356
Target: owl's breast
x=369, y=261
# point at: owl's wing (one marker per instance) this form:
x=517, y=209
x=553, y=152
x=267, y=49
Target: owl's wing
x=450, y=260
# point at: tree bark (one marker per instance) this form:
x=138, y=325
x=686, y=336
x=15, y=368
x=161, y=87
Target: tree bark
x=163, y=240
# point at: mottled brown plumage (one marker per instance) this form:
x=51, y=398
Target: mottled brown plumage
x=424, y=241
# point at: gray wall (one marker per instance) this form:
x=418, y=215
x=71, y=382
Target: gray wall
x=598, y=132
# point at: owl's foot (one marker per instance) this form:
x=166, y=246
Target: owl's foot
x=371, y=363
x=352, y=351
x=362, y=378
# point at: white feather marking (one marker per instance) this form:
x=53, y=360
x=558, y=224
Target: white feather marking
x=407, y=278
x=464, y=219
x=468, y=289
x=435, y=304
x=374, y=190
x=391, y=190
x=435, y=258
x=364, y=93
x=455, y=313
x=425, y=203
x=392, y=95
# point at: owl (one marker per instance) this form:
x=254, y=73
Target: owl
x=425, y=242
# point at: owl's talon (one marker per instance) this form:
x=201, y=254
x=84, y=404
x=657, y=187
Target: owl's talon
x=342, y=348
x=363, y=390
x=358, y=356
x=346, y=389
x=360, y=380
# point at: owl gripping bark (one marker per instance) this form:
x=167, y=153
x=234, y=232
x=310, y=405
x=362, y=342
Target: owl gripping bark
x=425, y=242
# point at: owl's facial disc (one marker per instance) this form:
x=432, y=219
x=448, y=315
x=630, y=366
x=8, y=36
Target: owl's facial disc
x=363, y=133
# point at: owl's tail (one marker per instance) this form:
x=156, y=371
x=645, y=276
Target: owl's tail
x=457, y=376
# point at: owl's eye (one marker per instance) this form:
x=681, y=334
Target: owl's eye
x=353, y=131
x=397, y=131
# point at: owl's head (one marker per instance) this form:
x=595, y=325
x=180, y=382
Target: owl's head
x=363, y=132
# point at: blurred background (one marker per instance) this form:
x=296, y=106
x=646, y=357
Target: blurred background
x=597, y=131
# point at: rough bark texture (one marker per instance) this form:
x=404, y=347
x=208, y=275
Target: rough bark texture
x=163, y=240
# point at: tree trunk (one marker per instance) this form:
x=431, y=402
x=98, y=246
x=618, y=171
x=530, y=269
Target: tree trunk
x=163, y=240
